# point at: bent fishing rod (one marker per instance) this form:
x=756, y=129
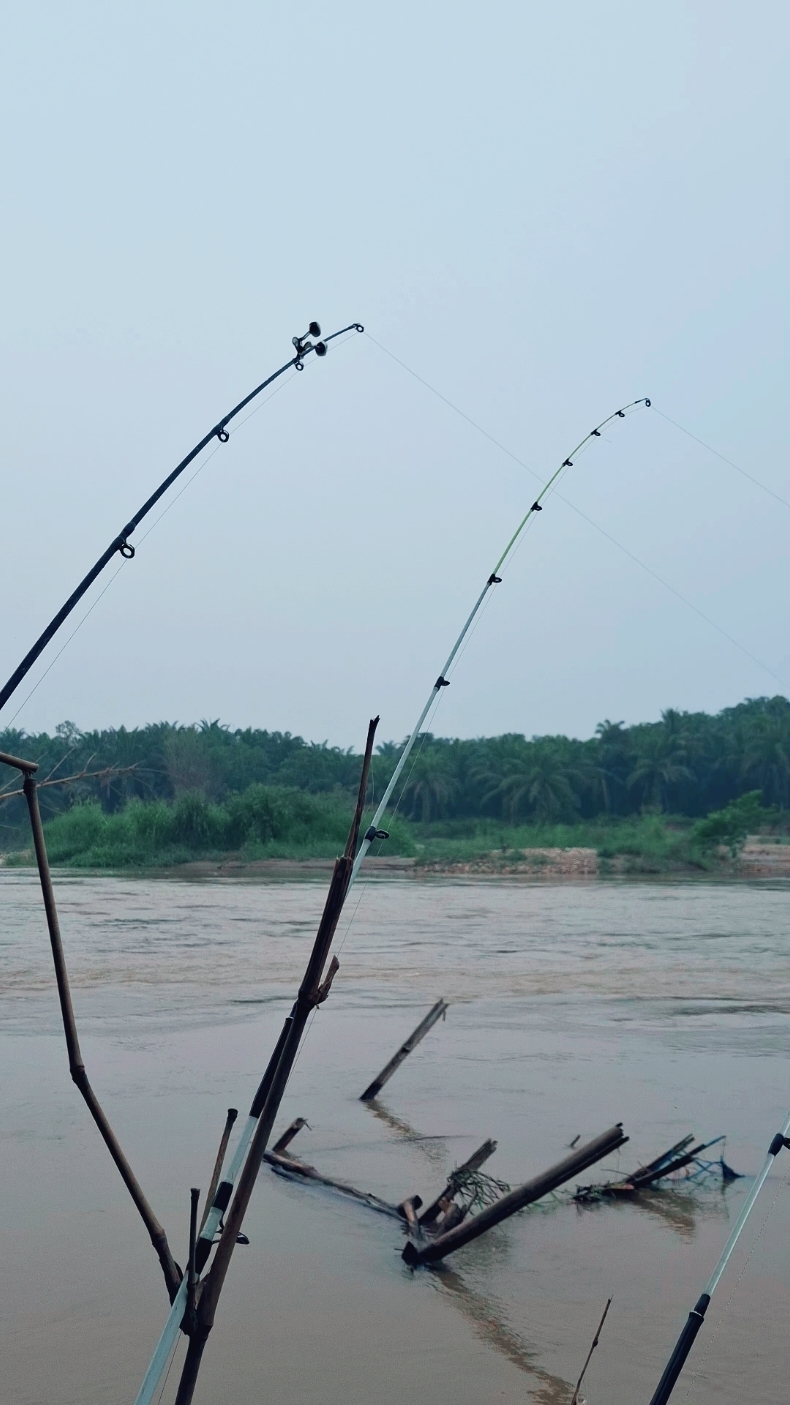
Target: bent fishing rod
x=120, y=544
x=224, y=1192
x=697, y=1315
x=373, y=832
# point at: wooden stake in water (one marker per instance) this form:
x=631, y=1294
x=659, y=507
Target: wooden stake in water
x=437, y=1012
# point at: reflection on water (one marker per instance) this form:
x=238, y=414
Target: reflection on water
x=664, y=1007
x=679, y=1211
x=433, y=1147
x=488, y=1322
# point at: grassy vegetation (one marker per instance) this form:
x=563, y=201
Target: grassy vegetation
x=275, y=822
x=262, y=822
x=648, y=843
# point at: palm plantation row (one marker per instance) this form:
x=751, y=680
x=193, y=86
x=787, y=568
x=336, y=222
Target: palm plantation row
x=685, y=764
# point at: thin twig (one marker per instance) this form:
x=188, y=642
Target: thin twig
x=106, y=774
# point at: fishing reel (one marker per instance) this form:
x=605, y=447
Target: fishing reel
x=303, y=345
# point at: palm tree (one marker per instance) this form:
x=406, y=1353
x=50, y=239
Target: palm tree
x=430, y=786
x=660, y=762
x=544, y=781
x=766, y=758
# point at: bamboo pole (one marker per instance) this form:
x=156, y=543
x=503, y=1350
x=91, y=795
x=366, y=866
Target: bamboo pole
x=312, y=992
x=517, y=1199
x=435, y=1013
x=172, y=1274
x=288, y=1135
x=194, y=1195
x=233, y=1113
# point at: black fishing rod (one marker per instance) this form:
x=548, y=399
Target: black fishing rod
x=121, y=544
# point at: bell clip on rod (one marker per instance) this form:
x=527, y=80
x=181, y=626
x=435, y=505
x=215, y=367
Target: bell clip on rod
x=696, y=1317
x=302, y=348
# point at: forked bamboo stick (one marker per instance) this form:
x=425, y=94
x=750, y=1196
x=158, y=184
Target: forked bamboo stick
x=172, y=1274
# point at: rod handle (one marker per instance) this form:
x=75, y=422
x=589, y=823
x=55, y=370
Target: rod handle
x=682, y=1348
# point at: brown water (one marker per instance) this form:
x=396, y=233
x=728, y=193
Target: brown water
x=573, y=1007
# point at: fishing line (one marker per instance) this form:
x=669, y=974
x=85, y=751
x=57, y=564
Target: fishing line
x=68, y=641
x=373, y=832
x=167, y=1374
x=419, y=734
x=723, y=457
x=589, y=520
x=154, y=524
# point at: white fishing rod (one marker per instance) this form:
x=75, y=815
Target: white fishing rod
x=373, y=831
x=697, y=1315
x=222, y=1198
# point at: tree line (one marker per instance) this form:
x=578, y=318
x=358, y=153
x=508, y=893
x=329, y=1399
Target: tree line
x=688, y=763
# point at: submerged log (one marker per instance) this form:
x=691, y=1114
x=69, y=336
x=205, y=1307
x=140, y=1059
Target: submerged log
x=373, y=1089
x=300, y=1170
x=517, y=1199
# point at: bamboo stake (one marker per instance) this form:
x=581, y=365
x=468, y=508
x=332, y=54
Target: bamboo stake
x=233, y=1113
x=475, y=1161
x=596, y=1339
x=194, y=1195
x=172, y=1274
x=288, y=1135
x=436, y=1013
x=312, y=992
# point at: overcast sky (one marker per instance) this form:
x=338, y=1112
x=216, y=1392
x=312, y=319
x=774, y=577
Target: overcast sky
x=544, y=210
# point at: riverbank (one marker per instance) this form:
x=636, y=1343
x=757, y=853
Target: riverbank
x=265, y=830
x=759, y=858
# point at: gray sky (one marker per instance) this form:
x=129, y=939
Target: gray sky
x=546, y=211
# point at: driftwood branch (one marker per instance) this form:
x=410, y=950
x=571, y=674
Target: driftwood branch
x=517, y=1199
x=172, y=1273
x=436, y=1013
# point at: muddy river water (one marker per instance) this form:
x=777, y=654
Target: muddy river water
x=664, y=1006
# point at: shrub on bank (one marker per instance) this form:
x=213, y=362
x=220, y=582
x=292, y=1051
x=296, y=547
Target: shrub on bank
x=262, y=822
